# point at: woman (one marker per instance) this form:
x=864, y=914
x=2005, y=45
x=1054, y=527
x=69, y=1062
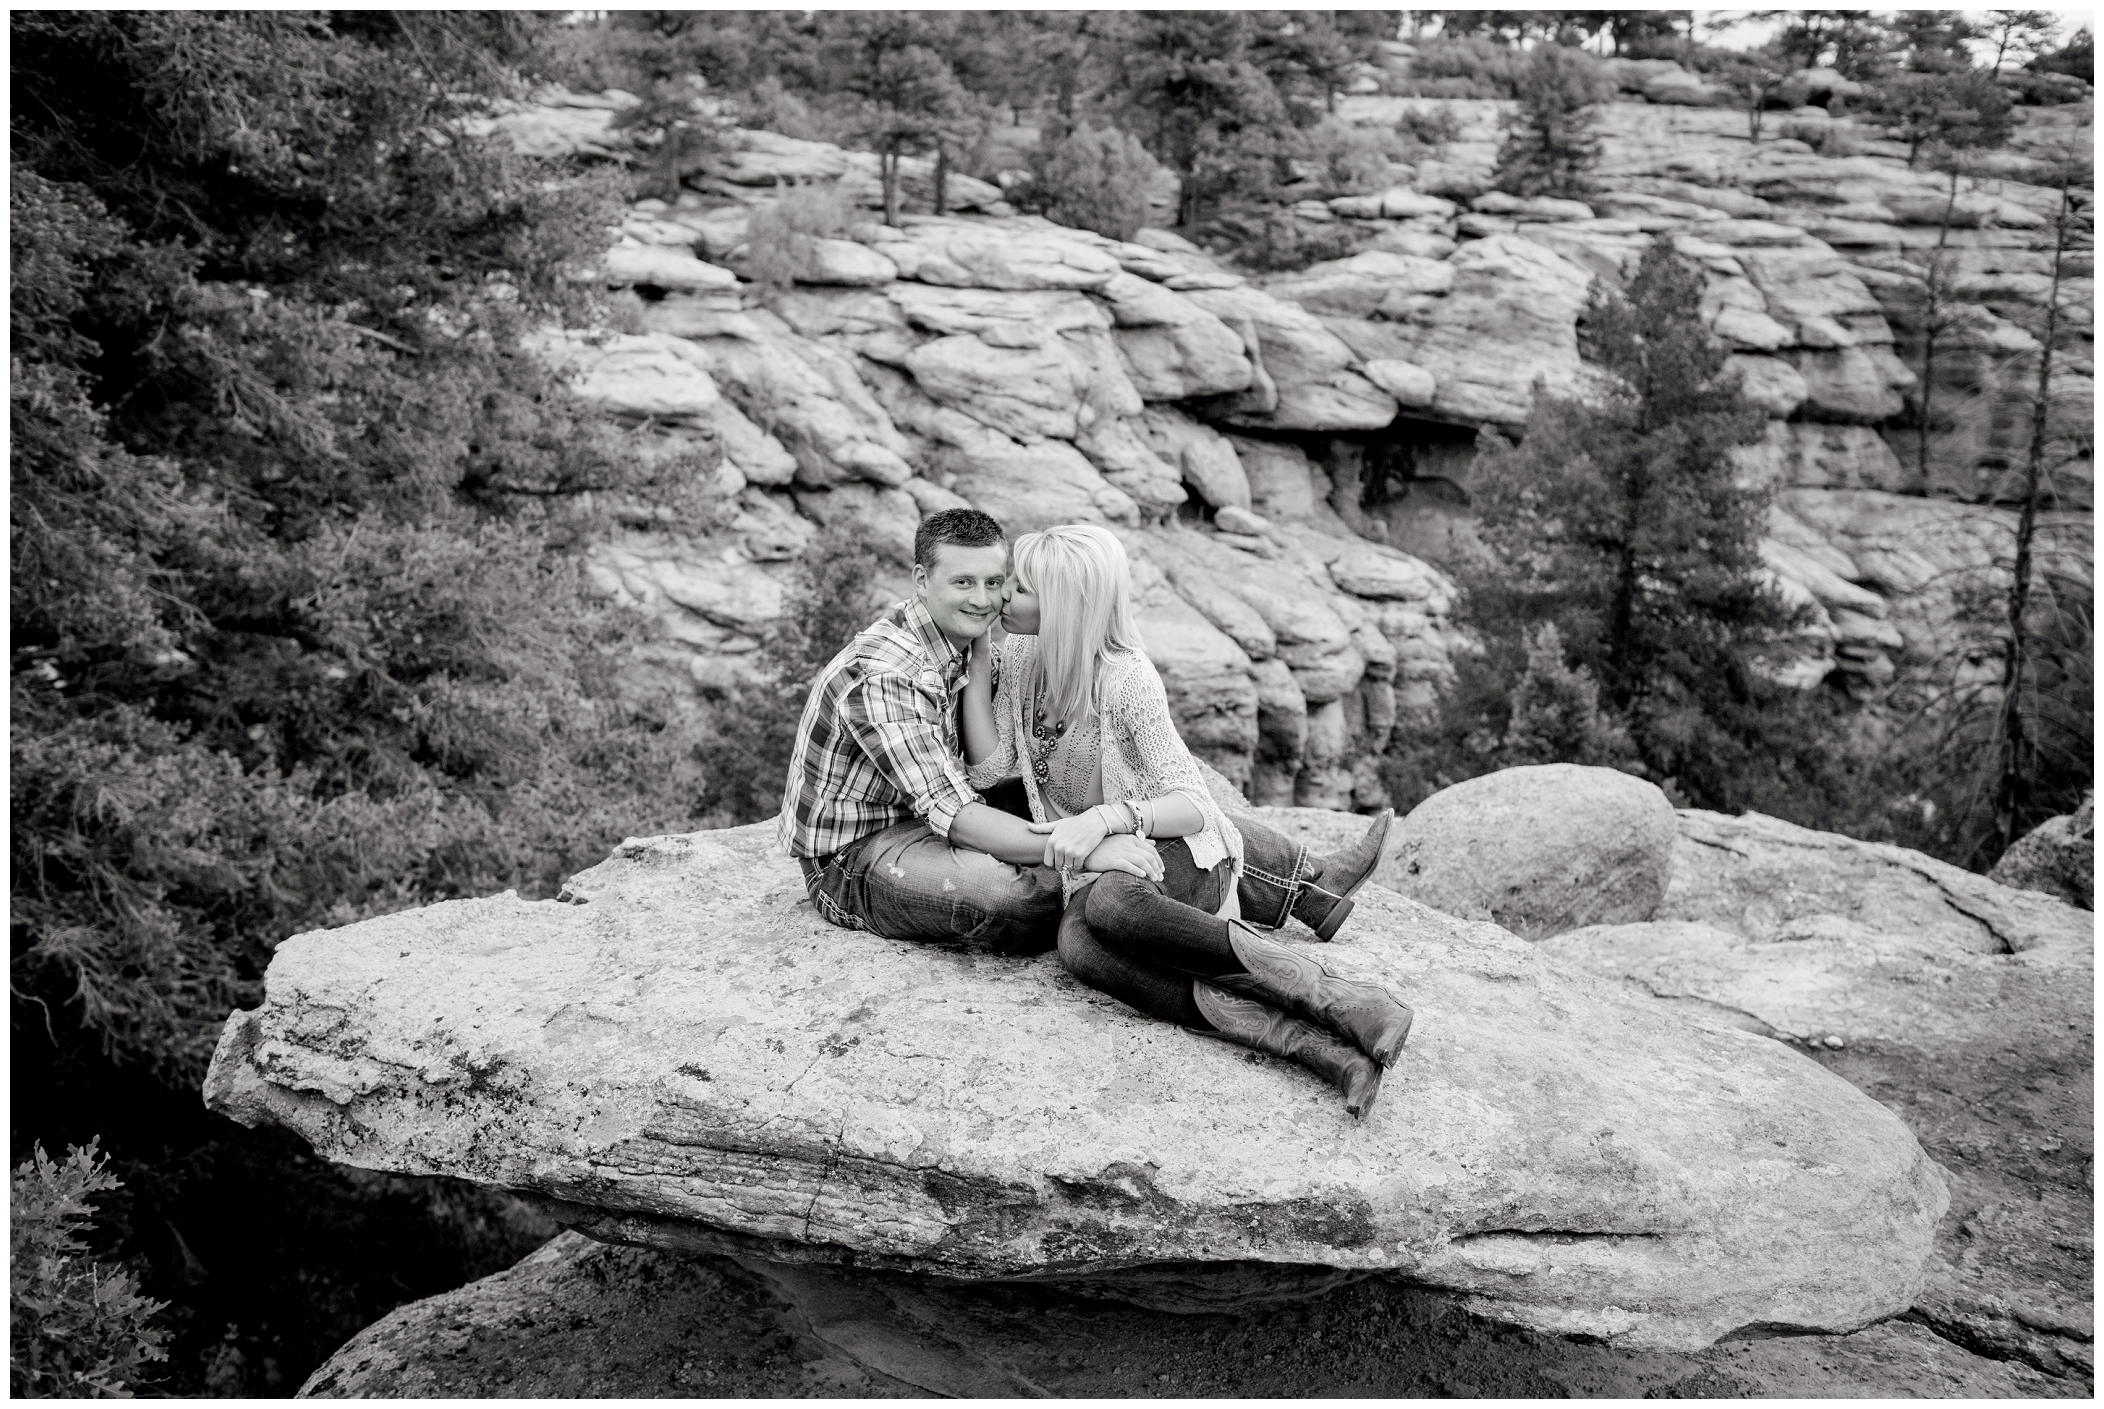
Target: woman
x=1081, y=714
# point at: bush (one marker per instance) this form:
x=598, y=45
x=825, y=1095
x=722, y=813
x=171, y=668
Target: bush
x=1829, y=139
x=1269, y=241
x=778, y=241
x=772, y=107
x=1345, y=158
x=78, y=1329
x=676, y=131
x=1429, y=127
x=745, y=758
x=1963, y=110
x=1555, y=713
x=1470, y=67
x=2075, y=59
x=2037, y=88
x=1092, y=178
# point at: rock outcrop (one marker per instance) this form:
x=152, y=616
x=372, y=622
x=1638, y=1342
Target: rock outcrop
x=582, y=1319
x=2058, y=857
x=1048, y=374
x=684, y=1056
x=1539, y=850
x=1963, y=1004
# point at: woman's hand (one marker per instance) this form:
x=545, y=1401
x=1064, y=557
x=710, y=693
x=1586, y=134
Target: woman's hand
x=980, y=734
x=1072, y=838
x=1126, y=852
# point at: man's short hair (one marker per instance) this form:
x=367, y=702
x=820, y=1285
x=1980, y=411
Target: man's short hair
x=965, y=528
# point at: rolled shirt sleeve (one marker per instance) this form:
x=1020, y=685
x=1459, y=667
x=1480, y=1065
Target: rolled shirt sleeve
x=900, y=728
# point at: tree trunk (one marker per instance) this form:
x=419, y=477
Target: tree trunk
x=2018, y=749
x=1621, y=617
x=1931, y=328
x=888, y=166
x=942, y=177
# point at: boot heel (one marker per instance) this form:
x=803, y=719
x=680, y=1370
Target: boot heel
x=1339, y=913
x=1324, y=908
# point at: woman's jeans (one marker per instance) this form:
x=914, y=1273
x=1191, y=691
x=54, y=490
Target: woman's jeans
x=905, y=882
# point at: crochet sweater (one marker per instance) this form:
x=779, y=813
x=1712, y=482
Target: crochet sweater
x=1143, y=756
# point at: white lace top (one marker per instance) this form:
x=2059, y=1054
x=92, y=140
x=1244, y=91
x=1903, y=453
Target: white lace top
x=1142, y=754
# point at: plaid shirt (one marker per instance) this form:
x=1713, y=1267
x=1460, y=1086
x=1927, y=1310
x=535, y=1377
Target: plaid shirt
x=878, y=740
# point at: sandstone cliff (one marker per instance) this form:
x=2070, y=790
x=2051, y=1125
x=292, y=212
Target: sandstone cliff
x=1221, y=423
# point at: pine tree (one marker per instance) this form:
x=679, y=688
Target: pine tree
x=2042, y=725
x=298, y=631
x=1621, y=522
x=1755, y=77
x=2019, y=35
x=1187, y=85
x=912, y=101
x=1552, y=143
x=1953, y=110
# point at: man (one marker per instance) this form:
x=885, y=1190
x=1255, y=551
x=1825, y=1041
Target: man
x=884, y=822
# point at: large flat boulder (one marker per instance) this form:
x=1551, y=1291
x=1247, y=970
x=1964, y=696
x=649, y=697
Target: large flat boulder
x=681, y=1053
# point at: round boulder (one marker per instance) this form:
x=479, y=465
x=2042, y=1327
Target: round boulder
x=1540, y=850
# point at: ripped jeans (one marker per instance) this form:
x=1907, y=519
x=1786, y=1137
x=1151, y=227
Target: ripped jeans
x=905, y=882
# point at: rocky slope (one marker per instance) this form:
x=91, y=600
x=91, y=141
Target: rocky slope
x=1222, y=424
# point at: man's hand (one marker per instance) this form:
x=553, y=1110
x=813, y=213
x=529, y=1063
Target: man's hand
x=1073, y=839
x=1126, y=852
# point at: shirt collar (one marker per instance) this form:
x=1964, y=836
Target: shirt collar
x=913, y=614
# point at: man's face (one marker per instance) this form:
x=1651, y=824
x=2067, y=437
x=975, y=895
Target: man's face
x=964, y=590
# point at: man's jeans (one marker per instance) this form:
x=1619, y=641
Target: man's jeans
x=907, y=883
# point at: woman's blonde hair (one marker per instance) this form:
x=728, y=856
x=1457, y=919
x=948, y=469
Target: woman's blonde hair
x=1083, y=584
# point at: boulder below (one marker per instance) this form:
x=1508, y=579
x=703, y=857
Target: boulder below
x=580, y=1319
x=684, y=1054
x=2057, y=857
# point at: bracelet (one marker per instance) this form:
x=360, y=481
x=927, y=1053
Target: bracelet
x=1133, y=808
x=1145, y=824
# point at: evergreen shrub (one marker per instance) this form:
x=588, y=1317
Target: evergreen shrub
x=1092, y=178
x=778, y=240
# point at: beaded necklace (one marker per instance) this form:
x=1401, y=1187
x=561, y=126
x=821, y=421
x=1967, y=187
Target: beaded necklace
x=1064, y=776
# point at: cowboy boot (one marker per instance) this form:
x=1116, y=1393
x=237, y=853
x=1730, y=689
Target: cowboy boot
x=1252, y=1024
x=1366, y=1013
x=1325, y=907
